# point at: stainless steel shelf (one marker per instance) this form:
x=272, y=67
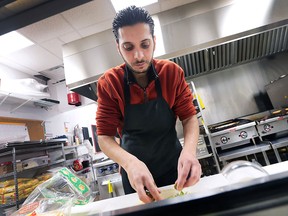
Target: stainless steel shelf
x=279, y=143
x=244, y=151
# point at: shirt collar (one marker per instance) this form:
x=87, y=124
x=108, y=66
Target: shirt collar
x=152, y=74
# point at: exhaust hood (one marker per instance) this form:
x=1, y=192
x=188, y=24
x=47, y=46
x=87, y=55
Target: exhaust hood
x=202, y=36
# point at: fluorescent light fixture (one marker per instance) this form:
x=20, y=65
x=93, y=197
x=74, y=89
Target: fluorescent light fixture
x=12, y=42
x=120, y=4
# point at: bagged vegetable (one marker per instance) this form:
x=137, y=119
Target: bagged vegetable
x=56, y=196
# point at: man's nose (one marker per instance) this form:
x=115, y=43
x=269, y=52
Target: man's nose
x=138, y=54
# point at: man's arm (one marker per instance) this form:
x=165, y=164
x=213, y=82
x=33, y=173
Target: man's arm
x=189, y=168
x=138, y=173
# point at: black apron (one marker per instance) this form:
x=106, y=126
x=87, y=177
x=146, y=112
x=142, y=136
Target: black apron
x=149, y=133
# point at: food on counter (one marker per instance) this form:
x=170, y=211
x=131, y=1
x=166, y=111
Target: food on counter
x=181, y=193
x=56, y=195
x=169, y=193
x=172, y=193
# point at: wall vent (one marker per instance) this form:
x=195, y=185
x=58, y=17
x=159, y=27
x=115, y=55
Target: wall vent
x=233, y=53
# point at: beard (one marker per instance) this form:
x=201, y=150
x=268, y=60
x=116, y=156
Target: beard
x=134, y=64
x=135, y=71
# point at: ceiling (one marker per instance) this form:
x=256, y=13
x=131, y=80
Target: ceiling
x=52, y=23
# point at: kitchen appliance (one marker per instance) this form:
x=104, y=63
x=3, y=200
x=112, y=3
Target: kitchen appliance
x=236, y=138
x=273, y=129
x=109, y=179
x=275, y=123
x=86, y=59
x=234, y=132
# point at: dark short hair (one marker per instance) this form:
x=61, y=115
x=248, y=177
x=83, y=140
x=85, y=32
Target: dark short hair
x=130, y=16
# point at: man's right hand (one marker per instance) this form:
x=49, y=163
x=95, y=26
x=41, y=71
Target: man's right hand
x=142, y=182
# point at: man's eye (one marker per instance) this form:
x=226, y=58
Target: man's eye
x=128, y=47
x=145, y=45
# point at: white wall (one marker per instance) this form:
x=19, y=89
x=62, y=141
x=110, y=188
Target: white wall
x=58, y=119
x=64, y=123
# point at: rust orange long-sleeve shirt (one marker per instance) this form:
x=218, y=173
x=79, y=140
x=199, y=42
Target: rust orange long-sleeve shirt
x=111, y=101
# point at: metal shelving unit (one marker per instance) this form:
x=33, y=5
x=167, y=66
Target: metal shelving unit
x=14, y=150
x=202, y=121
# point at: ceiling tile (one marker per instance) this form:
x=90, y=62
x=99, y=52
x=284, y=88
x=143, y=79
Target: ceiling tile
x=54, y=46
x=15, y=65
x=90, y=13
x=96, y=28
x=69, y=37
x=36, y=58
x=46, y=29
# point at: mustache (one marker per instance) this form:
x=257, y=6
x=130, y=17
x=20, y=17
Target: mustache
x=139, y=62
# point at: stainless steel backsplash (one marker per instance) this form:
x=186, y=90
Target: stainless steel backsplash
x=240, y=90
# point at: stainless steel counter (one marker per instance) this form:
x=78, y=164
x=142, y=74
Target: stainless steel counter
x=241, y=197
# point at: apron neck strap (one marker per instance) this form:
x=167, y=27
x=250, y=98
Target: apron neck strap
x=127, y=89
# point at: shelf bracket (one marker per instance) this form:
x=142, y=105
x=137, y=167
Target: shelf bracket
x=3, y=100
x=21, y=105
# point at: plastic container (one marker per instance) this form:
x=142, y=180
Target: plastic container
x=242, y=171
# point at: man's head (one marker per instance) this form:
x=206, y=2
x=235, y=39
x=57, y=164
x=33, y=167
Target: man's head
x=131, y=16
x=134, y=31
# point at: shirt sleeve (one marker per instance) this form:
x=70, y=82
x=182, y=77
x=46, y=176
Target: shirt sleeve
x=108, y=115
x=183, y=106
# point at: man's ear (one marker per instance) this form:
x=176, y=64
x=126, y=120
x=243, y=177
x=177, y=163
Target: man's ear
x=118, y=47
x=154, y=40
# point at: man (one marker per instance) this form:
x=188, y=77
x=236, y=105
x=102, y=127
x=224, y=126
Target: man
x=141, y=100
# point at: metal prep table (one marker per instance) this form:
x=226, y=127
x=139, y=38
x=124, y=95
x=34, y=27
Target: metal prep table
x=268, y=194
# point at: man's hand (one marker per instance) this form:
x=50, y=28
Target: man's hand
x=142, y=182
x=189, y=170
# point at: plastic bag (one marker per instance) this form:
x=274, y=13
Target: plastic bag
x=56, y=196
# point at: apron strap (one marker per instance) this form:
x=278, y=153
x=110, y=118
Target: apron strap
x=157, y=83
x=127, y=89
